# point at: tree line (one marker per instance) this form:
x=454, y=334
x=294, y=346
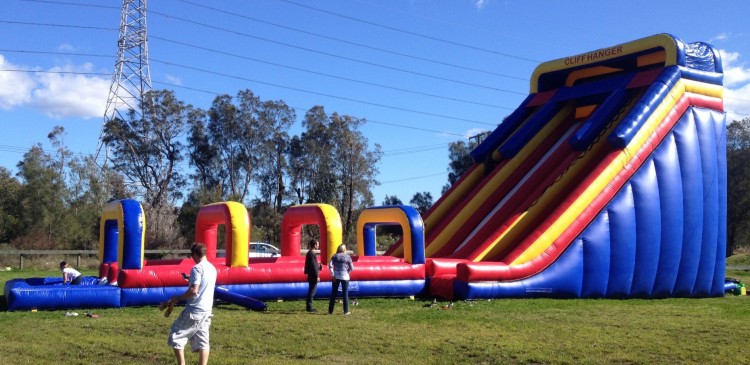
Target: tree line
x=175, y=158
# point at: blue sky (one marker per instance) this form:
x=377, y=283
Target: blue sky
x=423, y=72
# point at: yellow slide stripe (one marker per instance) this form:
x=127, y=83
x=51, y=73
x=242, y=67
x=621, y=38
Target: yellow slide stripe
x=642, y=137
x=471, y=207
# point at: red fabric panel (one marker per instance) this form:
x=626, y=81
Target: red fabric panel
x=441, y=286
x=441, y=266
x=270, y=272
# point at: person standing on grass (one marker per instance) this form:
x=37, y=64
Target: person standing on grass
x=312, y=270
x=70, y=275
x=195, y=320
x=340, y=266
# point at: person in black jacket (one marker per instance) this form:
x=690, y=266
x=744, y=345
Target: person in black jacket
x=312, y=270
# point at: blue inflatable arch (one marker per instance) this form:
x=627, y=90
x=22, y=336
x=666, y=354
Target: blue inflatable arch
x=405, y=216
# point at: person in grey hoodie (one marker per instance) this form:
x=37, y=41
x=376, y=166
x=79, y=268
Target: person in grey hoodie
x=340, y=266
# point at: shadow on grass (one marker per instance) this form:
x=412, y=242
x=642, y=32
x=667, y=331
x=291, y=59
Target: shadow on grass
x=3, y=304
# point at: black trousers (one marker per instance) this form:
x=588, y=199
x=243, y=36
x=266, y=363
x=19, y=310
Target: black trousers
x=313, y=286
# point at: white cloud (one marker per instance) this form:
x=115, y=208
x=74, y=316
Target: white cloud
x=174, y=80
x=719, y=38
x=15, y=87
x=736, y=85
x=61, y=95
x=480, y=4
x=65, y=47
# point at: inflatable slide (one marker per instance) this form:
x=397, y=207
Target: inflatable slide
x=609, y=180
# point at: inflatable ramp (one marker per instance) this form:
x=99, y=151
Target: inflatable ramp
x=609, y=180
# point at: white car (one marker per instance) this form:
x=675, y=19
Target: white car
x=261, y=249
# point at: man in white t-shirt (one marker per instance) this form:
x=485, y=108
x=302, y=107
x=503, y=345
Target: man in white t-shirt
x=70, y=275
x=195, y=320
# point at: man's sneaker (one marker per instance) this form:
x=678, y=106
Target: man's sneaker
x=347, y=313
x=312, y=310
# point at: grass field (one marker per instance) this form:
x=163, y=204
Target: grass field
x=401, y=331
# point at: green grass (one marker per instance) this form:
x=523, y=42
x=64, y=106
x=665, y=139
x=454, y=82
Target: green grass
x=400, y=331
x=742, y=259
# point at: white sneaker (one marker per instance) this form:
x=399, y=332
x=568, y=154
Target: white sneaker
x=103, y=281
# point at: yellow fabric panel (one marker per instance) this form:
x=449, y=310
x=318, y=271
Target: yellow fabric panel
x=394, y=215
x=588, y=72
x=471, y=207
x=239, y=221
x=541, y=207
x=333, y=227
x=664, y=41
x=642, y=137
x=585, y=111
x=111, y=211
x=654, y=58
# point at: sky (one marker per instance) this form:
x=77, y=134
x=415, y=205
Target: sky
x=424, y=73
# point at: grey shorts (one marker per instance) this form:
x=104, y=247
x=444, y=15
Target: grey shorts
x=190, y=328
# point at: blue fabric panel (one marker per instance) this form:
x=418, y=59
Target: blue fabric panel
x=385, y=288
x=603, y=86
x=369, y=239
x=701, y=56
x=721, y=249
x=502, y=131
x=20, y=295
x=648, y=229
x=562, y=279
x=416, y=228
x=642, y=110
x=226, y=295
x=110, y=241
x=133, y=227
x=710, y=174
x=136, y=297
x=416, y=225
x=672, y=217
x=702, y=76
x=623, y=238
x=598, y=120
x=529, y=129
x=681, y=54
x=596, y=257
x=692, y=186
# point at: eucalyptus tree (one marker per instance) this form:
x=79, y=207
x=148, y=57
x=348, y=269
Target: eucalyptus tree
x=738, y=184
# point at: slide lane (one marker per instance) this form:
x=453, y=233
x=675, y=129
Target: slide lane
x=457, y=192
x=546, y=186
x=473, y=180
x=569, y=219
x=614, y=169
x=475, y=207
x=506, y=180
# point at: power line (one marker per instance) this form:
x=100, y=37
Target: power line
x=59, y=25
x=413, y=178
x=335, y=76
x=73, y=4
x=296, y=30
x=336, y=56
x=411, y=33
x=274, y=64
x=350, y=42
x=321, y=94
x=305, y=110
x=58, y=72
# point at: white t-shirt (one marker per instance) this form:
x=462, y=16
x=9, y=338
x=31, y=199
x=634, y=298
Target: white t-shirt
x=204, y=274
x=70, y=274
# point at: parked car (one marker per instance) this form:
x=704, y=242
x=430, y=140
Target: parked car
x=261, y=249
